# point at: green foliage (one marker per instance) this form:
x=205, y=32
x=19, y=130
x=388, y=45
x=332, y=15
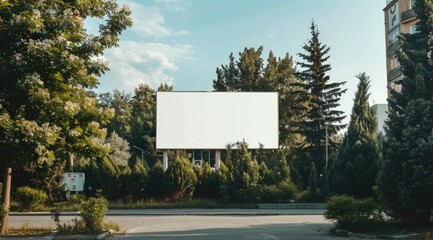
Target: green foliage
x=136, y=181
x=324, y=99
x=77, y=198
x=324, y=183
x=119, y=149
x=405, y=177
x=93, y=212
x=352, y=213
x=359, y=153
x=312, y=180
x=157, y=185
x=243, y=175
x=278, y=193
x=180, y=179
x=49, y=65
x=208, y=184
x=30, y=198
x=249, y=73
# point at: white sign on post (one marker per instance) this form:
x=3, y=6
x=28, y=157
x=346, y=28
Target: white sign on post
x=73, y=181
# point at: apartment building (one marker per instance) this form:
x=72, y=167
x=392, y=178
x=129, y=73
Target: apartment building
x=400, y=18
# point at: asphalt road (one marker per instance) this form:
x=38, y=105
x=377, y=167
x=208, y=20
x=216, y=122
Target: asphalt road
x=226, y=227
x=205, y=224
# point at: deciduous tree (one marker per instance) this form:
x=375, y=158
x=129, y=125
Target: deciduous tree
x=48, y=62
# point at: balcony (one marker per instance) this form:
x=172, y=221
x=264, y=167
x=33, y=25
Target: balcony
x=409, y=14
x=395, y=46
x=394, y=73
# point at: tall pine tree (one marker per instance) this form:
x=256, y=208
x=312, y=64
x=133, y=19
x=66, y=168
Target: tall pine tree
x=324, y=99
x=354, y=171
x=406, y=176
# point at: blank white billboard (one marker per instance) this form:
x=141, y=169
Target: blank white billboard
x=211, y=120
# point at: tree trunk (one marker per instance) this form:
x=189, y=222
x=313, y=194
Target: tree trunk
x=6, y=195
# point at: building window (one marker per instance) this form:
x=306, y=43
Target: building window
x=396, y=87
x=413, y=29
x=393, y=62
x=412, y=4
x=393, y=35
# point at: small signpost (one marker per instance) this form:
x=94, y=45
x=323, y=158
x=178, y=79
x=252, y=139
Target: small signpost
x=73, y=181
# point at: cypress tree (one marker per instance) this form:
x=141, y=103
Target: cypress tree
x=354, y=171
x=324, y=98
x=406, y=176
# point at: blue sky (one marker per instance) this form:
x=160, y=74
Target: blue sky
x=182, y=42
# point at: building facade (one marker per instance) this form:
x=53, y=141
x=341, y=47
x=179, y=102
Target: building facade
x=381, y=114
x=400, y=18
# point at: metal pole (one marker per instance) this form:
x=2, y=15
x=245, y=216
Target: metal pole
x=142, y=154
x=326, y=129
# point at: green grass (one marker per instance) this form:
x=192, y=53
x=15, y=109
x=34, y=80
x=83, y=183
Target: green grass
x=148, y=204
x=27, y=229
x=194, y=203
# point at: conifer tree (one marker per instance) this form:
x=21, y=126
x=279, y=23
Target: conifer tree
x=406, y=175
x=354, y=171
x=312, y=181
x=324, y=99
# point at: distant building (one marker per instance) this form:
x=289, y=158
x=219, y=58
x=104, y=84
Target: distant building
x=400, y=18
x=382, y=114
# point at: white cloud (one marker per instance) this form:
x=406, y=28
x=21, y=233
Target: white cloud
x=133, y=63
x=174, y=5
x=270, y=35
x=148, y=21
x=181, y=33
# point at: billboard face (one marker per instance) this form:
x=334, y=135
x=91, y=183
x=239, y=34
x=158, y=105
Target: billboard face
x=211, y=120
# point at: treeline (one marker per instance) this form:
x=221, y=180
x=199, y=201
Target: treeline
x=49, y=116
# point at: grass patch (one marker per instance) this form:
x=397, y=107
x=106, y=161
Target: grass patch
x=194, y=203
x=27, y=229
x=148, y=204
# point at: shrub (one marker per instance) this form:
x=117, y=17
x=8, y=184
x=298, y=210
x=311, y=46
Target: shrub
x=93, y=212
x=180, y=179
x=280, y=193
x=29, y=198
x=351, y=213
x=77, y=198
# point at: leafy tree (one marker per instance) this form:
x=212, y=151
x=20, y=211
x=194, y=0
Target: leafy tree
x=354, y=172
x=121, y=103
x=47, y=61
x=324, y=99
x=119, y=149
x=406, y=175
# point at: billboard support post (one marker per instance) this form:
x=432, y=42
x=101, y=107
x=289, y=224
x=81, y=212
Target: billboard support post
x=165, y=160
x=217, y=159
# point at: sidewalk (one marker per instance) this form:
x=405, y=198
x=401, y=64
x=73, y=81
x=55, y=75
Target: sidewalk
x=197, y=212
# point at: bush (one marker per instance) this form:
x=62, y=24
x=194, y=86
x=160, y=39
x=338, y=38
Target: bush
x=77, y=198
x=280, y=193
x=93, y=212
x=180, y=179
x=30, y=198
x=351, y=213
